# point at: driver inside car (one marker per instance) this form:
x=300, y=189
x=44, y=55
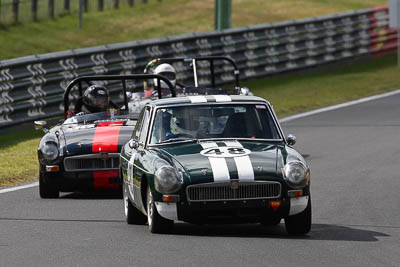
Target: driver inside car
x=95, y=99
x=177, y=125
x=168, y=72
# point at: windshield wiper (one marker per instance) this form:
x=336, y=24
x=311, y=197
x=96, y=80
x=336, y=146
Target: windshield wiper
x=178, y=139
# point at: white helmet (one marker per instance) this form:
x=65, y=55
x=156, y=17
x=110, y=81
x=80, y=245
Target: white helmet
x=168, y=72
x=184, y=126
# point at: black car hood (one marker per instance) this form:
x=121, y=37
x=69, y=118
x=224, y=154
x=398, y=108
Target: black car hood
x=262, y=160
x=95, y=138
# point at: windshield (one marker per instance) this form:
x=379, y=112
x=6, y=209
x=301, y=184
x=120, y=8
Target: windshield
x=112, y=114
x=252, y=121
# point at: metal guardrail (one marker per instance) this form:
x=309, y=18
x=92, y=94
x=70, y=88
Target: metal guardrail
x=31, y=87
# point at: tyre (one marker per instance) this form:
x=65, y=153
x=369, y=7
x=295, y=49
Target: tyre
x=157, y=224
x=47, y=187
x=132, y=214
x=299, y=224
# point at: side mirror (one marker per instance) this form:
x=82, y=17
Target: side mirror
x=291, y=139
x=133, y=143
x=39, y=125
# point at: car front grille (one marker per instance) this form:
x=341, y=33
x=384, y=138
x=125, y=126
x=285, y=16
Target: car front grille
x=92, y=162
x=233, y=190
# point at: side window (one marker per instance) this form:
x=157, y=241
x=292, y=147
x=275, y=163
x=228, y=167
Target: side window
x=136, y=131
x=145, y=126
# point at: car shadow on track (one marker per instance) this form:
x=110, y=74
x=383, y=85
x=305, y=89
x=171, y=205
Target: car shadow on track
x=92, y=195
x=318, y=232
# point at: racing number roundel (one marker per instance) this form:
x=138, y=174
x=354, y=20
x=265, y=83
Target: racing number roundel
x=225, y=152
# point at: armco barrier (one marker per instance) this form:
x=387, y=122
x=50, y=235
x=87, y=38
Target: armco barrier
x=31, y=87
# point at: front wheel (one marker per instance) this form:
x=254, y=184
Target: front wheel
x=299, y=224
x=132, y=214
x=157, y=224
x=47, y=187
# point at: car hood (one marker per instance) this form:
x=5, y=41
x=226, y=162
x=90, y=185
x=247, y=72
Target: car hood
x=99, y=137
x=260, y=162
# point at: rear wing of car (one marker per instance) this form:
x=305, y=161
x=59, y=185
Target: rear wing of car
x=193, y=61
x=123, y=78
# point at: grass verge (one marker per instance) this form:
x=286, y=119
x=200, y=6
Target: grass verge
x=18, y=157
x=289, y=95
x=303, y=92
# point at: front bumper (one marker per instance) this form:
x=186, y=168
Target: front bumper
x=85, y=181
x=244, y=211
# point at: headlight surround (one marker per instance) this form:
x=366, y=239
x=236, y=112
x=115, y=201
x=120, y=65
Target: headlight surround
x=296, y=174
x=50, y=150
x=167, y=180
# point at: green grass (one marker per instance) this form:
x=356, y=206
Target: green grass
x=18, y=156
x=289, y=95
x=301, y=92
x=155, y=20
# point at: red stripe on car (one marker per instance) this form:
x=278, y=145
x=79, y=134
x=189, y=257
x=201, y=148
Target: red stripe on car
x=105, y=139
x=106, y=136
x=102, y=179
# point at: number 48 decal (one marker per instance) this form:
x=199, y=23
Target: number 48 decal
x=225, y=152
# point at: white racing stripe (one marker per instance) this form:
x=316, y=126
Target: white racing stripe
x=244, y=168
x=198, y=99
x=243, y=164
x=233, y=143
x=220, y=169
x=218, y=165
x=222, y=98
x=206, y=145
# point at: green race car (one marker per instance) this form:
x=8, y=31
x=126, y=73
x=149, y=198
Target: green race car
x=213, y=159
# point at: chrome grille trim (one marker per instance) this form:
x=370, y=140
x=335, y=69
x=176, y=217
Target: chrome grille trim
x=222, y=191
x=92, y=162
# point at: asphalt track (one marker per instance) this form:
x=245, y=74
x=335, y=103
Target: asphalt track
x=354, y=154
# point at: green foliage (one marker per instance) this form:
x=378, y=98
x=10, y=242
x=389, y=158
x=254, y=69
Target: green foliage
x=154, y=20
x=18, y=157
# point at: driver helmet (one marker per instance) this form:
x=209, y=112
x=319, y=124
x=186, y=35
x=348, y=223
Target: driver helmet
x=184, y=126
x=168, y=72
x=96, y=98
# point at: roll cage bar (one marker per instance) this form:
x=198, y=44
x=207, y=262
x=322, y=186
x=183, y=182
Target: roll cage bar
x=193, y=61
x=78, y=81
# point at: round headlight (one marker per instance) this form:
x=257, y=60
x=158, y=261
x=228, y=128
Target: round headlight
x=167, y=180
x=50, y=151
x=295, y=174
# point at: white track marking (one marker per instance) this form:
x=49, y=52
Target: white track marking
x=343, y=105
x=16, y=188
